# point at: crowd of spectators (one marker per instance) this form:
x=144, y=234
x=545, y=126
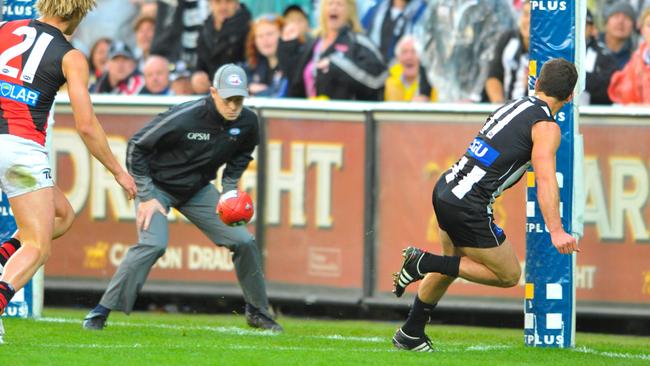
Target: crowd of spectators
x=379, y=50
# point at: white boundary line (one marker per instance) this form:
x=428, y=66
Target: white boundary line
x=476, y=348
x=225, y=330
x=628, y=356
x=217, y=347
x=443, y=347
x=262, y=348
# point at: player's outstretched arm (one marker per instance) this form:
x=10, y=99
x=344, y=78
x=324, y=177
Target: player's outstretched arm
x=75, y=69
x=546, y=140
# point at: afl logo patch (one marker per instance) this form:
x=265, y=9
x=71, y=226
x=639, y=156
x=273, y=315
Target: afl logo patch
x=234, y=80
x=234, y=131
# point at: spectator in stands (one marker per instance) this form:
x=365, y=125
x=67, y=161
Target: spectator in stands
x=266, y=78
x=222, y=40
x=144, y=28
x=180, y=79
x=599, y=66
x=98, y=58
x=295, y=15
x=618, y=36
x=121, y=76
x=340, y=63
x=148, y=8
x=110, y=19
x=458, y=39
x=407, y=81
x=178, y=24
x=156, y=76
x=388, y=20
x=632, y=84
x=508, y=73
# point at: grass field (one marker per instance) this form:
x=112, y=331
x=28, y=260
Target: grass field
x=153, y=339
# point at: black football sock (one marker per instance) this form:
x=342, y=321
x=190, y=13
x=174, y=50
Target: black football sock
x=7, y=249
x=6, y=293
x=418, y=318
x=445, y=264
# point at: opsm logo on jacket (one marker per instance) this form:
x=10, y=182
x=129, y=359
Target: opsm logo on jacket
x=198, y=136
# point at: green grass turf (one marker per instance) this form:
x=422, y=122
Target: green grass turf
x=152, y=339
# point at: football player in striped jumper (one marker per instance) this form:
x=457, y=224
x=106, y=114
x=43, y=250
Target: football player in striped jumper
x=520, y=133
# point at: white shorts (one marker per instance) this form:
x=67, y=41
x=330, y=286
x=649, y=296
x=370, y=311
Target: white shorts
x=24, y=166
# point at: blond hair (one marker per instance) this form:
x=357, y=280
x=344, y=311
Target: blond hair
x=353, y=18
x=644, y=15
x=65, y=9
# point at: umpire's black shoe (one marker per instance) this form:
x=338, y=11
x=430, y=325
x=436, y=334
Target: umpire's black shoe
x=94, y=321
x=416, y=344
x=409, y=272
x=257, y=319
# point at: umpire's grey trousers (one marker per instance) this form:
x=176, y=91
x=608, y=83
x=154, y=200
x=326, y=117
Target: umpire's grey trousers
x=200, y=210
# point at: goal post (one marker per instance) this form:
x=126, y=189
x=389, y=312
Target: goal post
x=556, y=30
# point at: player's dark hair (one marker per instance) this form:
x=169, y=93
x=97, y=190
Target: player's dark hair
x=557, y=78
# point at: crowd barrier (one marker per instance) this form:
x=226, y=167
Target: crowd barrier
x=346, y=187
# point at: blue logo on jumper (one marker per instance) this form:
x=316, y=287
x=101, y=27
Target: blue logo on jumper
x=496, y=229
x=18, y=93
x=482, y=152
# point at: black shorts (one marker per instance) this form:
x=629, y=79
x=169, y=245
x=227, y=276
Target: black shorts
x=470, y=226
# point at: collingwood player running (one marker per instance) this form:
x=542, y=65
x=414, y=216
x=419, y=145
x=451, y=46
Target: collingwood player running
x=517, y=134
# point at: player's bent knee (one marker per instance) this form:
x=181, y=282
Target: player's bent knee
x=160, y=252
x=66, y=220
x=68, y=216
x=45, y=253
x=151, y=251
x=511, y=279
x=42, y=252
x=509, y=282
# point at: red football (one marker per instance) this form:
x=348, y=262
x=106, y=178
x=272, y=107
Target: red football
x=235, y=208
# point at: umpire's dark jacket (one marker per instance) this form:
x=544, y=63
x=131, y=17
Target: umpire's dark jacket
x=181, y=149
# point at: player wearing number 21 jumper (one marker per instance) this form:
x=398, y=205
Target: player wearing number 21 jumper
x=35, y=61
x=521, y=132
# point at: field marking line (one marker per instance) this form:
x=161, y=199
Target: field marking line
x=240, y=331
x=218, y=347
x=639, y=356
x=488, y=347
x=253, y=347
x=477, y=348
x=447, y=346
x=226, y=330
x=232, y=330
